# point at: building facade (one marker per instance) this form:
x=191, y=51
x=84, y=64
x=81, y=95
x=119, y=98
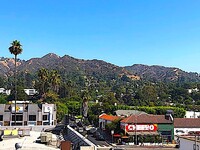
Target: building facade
x=105, y=119
x=150, y=125
x=27, y=114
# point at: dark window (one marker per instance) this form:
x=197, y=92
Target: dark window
x=45, y=117
x=32, y=117
x=1, y=117
x=18, y=118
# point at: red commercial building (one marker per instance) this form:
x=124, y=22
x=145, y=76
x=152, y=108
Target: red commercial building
x=149, y=125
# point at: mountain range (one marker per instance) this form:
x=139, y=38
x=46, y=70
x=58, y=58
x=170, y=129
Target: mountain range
x=67, y=64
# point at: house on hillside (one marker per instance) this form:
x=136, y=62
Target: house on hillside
x=193, y=90
x=4, y=91
x=30, y=91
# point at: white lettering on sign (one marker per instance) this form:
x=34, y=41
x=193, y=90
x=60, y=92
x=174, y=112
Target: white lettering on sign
x=141, y=127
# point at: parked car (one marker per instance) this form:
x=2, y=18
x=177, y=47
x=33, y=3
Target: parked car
x=100, y=137
x=73, y=125
x=80, y=129
x=96, y=134
x=92, y=130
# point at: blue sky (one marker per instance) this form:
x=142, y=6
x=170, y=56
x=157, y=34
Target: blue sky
x=122, y=32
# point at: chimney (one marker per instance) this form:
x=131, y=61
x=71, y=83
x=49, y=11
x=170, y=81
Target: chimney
x=169, y=115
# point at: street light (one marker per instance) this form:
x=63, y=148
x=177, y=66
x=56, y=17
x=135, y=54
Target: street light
x=194, y=107
x=112, y=132
x=136, y=129
x=136, y=115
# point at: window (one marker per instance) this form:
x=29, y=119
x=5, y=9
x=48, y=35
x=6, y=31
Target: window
x=1, y=117
x=31, y=92
x=45, y=117
x=32, y=117
x=18, y=117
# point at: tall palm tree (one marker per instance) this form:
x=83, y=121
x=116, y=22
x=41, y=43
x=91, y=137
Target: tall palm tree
x=85, y=97
x=43, y=75
x=55, y=80
x=15, y=49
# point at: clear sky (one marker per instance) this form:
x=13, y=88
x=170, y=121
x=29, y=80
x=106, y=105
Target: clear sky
x=121, y=32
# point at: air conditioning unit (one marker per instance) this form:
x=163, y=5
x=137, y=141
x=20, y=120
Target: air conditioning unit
x=46, y=137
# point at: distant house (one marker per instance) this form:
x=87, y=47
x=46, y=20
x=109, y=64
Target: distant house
x=183, y=126
x=30, y=91
x=192, y=114
x=193, y=90
x=105, y=119
x=4, y=91
x=27, y=114
x=27, y=91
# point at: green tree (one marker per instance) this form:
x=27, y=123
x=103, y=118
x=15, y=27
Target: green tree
x=3, y=99
x=114, y=125
x=51, y=97
x=149, y=94
x=62, y=110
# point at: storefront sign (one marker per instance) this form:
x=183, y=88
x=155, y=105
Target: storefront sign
x=48, y=109
x=141, y=127
x=19, y=109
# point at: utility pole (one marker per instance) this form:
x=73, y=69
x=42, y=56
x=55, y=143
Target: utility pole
x=136, y=130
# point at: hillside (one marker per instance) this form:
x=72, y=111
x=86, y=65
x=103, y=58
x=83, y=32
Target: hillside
x=64, y=65
x=161, y=73
x=98, y=68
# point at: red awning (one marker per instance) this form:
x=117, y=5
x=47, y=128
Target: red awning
x=116, y=135
x=124, y=137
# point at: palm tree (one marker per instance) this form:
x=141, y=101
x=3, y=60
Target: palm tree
x=43, y=75
x=16, y=49
x=55, y=80
x=85, y=97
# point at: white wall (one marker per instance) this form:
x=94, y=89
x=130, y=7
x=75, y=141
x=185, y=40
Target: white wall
x=185, y=130
x=104, y=122
x=30, y=91
x=4, y=91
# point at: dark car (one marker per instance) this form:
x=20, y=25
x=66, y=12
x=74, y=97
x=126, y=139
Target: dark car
x=96, y=133
x=73, y=125
x=100, y=137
